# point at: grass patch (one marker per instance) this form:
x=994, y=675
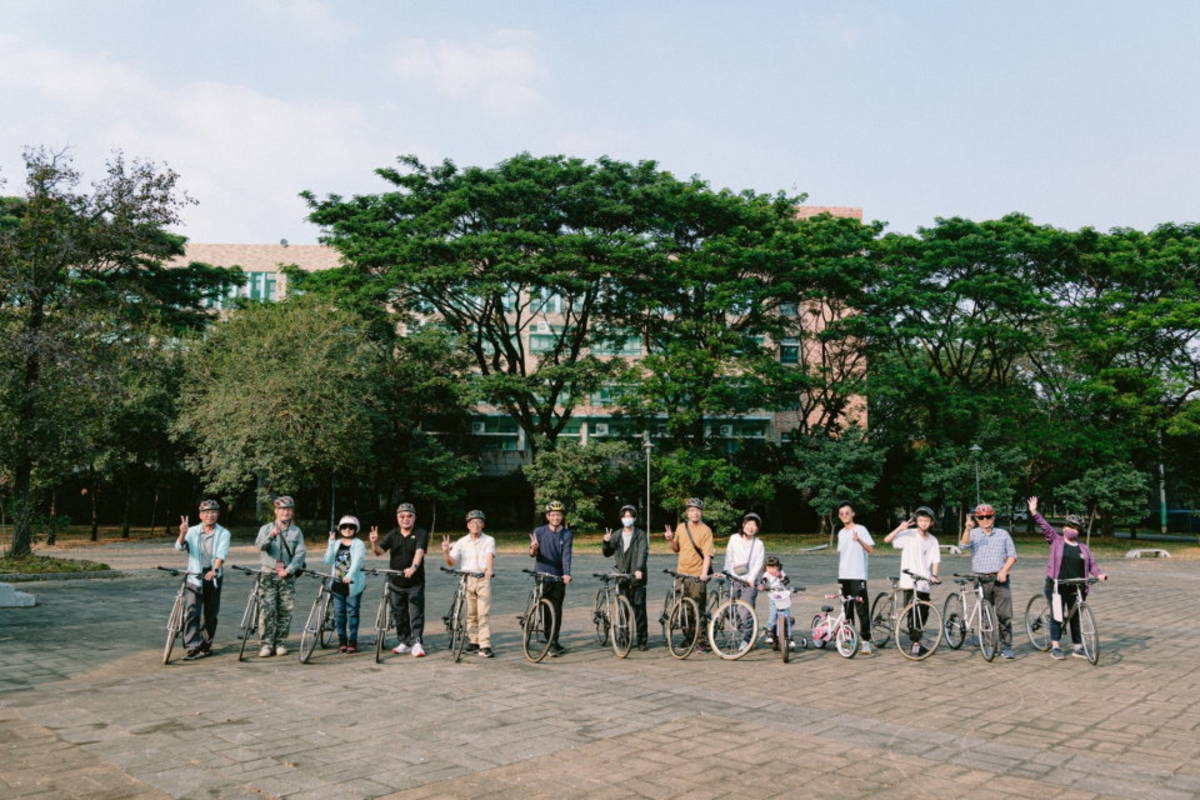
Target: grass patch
x=41, y=565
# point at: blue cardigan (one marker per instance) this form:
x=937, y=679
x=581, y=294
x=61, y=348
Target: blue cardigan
x=358, y=551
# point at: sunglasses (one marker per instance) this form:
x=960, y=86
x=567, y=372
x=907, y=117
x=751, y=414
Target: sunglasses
x=984, y=516
x=347, y=528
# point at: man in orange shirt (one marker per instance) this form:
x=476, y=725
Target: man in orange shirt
x=693, y=541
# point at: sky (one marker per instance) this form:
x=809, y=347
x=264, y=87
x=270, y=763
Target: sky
x=1075, y=113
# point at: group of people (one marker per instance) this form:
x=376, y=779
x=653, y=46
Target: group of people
x=282, y=558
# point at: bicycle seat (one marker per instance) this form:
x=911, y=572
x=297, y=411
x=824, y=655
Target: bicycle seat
x=961, y=581
x=827, y=609
x=894, y=578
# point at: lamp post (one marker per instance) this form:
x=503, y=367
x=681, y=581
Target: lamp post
x=647, y=446
x=975, y=451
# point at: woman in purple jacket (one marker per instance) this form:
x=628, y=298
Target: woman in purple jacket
x=1069, y=558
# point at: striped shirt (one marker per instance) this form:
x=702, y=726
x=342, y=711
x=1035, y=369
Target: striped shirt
x=989, y=552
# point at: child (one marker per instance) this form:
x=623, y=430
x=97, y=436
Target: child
x=345, y=554
x=775, y=583
x=919, y=554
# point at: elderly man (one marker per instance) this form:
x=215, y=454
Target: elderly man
x=281, y=553
x=993, y=553
x=207, y=546
x=475, y=552
x=406, y=544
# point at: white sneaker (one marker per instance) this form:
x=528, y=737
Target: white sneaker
x=280, y=650
x=400, y=649
x=265, y=651
x=866, y=648
x=417, y=650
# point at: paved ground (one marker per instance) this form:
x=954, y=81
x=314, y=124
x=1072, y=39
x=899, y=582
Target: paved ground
x=86, y=710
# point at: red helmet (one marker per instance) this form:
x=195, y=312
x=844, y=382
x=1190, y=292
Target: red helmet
x=984, y=508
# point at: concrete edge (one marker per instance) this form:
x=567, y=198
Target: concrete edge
x=29, y=577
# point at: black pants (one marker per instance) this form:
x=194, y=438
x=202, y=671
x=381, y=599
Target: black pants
x=200, y=609
x=555, y=592
x=1000, y=596
x=408, y=613
x=636, y=593
x=1070, y=596
x=917, y=625
x=852, y=587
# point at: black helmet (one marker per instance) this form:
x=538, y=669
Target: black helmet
x=924, y=511
x=1074, y=521
x=753, y=516
x=627, y=507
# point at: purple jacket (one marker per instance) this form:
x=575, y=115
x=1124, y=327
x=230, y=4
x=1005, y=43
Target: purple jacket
x=1057, y=543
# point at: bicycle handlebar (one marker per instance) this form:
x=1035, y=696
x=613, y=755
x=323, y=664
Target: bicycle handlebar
x=1089, y=580
x=975, y=576
x=249, y=571
x=843, y=598
x=677, y=575
x=546, y=576
x=612, y=576
x=462, y=572
x=312, y=573
x=381, y=571
x=177, y=572
x=927, y=579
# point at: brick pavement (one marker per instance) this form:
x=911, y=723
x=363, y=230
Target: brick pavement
x=81, y=690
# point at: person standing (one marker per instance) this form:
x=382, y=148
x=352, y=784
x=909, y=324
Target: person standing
x=550, y=545
x=1069, y=558
x=630, y=547
x=744, y=559
x=692, y=540
x=207, y=546
x=345, y=554
x=406, y=545
x=920, y=555
x=475, y=552
x=992, y=554
x=854, y=545
x=281, y=553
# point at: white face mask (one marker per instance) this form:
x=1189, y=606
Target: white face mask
x=627, y=522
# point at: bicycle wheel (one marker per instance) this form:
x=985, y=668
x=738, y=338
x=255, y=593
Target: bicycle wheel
x=725, y=634
x=954, y=621
x=664, y=619
x=1087, y=630
x=882, y=623
x=622, y=627
x=783, y=637
x=324, y=636
x=458, y=621
x=918, y=630
x=539, y=622
x=817, y=633
x=249, y=623
x=1037, y=622
x=989, y=632
x=174, y=625
x=847, y=641
x=600, y=617
x=383, y=623
x=685, y=619
x=312, y=626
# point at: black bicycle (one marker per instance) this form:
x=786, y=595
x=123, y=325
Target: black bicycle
x=175, y=619
x=383, y=616
x=612, y=614
x=681, y=621
x=456, y=619
x=248, y=627
x=537, y=623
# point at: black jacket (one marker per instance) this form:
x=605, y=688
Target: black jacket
x=631, y=560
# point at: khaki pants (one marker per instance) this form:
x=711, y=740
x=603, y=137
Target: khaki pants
x=479, y=607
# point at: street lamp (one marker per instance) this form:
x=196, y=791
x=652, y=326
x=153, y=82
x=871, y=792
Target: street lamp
x=975, y=451
x=647, y=446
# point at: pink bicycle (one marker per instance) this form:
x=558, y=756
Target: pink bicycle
x=827, y=627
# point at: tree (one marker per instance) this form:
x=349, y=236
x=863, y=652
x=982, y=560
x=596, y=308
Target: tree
x=830, y=470
x=581, y=477
x=1112, y=493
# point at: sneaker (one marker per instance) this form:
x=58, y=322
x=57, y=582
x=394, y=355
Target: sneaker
x=1078, y=652
x=352, y=648
x=400, y=649
x=769, y=640
x=341, y=648
x=472, y=647
x=1057, y=653
x=557, y=650
x=643, y=646
x=791, y=645
x=486, y=652
x=192, y=655
x=865, y=648
x=1007, y=653
x=418, y=651
x=266, y=651
x=745, y=644
x=280, y=650
x=915, y=649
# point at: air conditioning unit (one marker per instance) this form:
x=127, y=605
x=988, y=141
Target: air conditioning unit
x=600, y=429
x=478, y=427
x=726, y=430
x=541, y=327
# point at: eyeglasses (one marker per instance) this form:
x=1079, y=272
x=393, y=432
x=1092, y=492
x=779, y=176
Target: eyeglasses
x=984, y=516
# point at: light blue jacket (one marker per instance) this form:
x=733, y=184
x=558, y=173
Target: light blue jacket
x=358, y=551
x=191, y=543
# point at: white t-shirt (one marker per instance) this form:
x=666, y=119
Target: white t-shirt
x=744, y=557
x=917, y=553
x=471, y=555
x=852, y=558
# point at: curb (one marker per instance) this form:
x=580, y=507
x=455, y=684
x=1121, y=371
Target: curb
x=29, y=577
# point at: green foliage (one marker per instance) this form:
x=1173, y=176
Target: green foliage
x=830, y=470
x=1115, y=493
x=582, y=478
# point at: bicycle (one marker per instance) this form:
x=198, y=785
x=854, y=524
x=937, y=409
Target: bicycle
x=319, y=625
x=1037, y=619
x=919, y=615
x=383, y=615
x=248, y=627
x=826, y=628
x=959, y=622
x=784, y=623
x=456, y=620
x=612, y=613
x=885, y=622
x=538, y=619
x=727, y=621
x=680, y=615
x=175, y=619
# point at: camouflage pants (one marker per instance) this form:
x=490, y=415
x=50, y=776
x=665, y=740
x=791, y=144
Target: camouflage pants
x=276, y=601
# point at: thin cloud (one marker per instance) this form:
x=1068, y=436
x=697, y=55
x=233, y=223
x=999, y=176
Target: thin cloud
x=500, y=73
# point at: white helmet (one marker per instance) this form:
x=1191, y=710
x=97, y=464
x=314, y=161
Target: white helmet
x=349, y=520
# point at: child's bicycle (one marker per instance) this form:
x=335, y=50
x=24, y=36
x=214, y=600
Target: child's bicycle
x=784, y=626
x=456, y=618
x=175, y=619
x=828, y=628
x=967, y=612
x=383, y=615
x=248, y=626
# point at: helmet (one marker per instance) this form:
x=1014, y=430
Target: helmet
x=476, y=514
x=210, y=505
x=753, y=516
x=348, y=520
x=629, y=508
x=555, y=505
x=284, y=501
x=984, y=508
x=925, y=511
x=408, y=508
x=773, y=561
x=1074, y=521
x=694, y=502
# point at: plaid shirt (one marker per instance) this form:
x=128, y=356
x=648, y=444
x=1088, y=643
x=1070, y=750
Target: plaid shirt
x=989, y=552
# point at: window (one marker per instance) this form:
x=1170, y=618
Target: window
x=543, y=337
x=789, y=310
x=546, y=301
x=260, y=286
x=789, y=351
x=617, y=343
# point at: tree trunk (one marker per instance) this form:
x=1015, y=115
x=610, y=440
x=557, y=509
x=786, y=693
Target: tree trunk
x=154, y=509
x=95, y=519
x=52, y=528
x=127, y=506
x=22, y=543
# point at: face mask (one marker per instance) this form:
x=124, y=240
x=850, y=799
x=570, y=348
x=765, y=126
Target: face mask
x=1070, y=534
x=627, y=522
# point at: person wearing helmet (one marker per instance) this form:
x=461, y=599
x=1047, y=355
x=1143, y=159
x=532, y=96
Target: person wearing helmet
x=406, y=545
x=551, y=545
x=1069, y=558
x=281, y=553
x=475, y=552
x=345, y=553
x=744, y=557
x=630, y=548
x=854, y=545
x=207, y=546
x=992, y=553
x=692, y=540
x=919, y=553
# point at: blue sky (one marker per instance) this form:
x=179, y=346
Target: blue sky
x=1077, y=113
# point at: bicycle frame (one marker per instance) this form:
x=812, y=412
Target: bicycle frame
x=607, y=614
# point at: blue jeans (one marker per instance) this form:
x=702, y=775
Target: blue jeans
x=345, y=615
x=773, y=617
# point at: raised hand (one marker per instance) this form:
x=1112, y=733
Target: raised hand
x=1033, y=505
x=608, y=534
x=374, y=534
x=183, y=527
x=332, y=536
x=670, y=534
x=445, y=542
